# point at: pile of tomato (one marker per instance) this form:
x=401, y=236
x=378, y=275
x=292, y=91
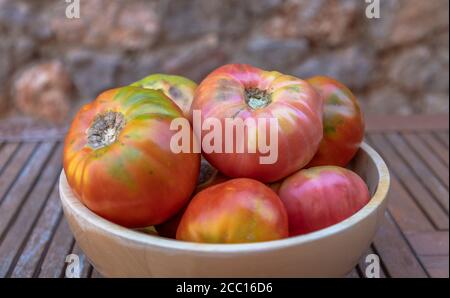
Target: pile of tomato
x=119, y=161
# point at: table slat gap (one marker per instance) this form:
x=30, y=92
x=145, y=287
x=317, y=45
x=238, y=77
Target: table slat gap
x=13, y=169
x=22, y=187
x=61, y=245
x=37, y=269
x=437, y=147
x=395, y=251
x=436, y=266
x=422, y=198
x=40, y=238
x=29, y=213
x=433, y=163
x=410, y=215
x=6, y=154
x=419, y=170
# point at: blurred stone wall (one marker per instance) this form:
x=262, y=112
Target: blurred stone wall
x=397, y=64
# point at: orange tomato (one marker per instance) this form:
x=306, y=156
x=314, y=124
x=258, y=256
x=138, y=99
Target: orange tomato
x=235, y=211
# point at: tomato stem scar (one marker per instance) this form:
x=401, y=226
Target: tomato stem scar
x=257, y=98
x=105, y=129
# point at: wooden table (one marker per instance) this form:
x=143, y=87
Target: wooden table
x=413, y=241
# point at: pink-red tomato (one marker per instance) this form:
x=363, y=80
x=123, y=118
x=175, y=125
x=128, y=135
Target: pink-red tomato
x=319, y=197
x=248, y=93
x=118, y=160
x=236, y=211
x=343, y=123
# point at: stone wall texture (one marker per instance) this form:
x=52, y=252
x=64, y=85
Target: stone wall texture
x=397, y=64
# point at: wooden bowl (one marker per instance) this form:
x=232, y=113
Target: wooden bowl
x=116, y=251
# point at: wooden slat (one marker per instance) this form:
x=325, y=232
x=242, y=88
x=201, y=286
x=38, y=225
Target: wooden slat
x=22, y=186
x=425, y=176
x=433, y=210
x=433, y=162
x=436, y=266
x=14, y=166
x=408, y=215
x=443, y=136
x=54, y=262
x=28, y=212
x=429, y=243
x=17, y=128
x=395, y=252
x=438, y=148
x=382, y=123
x=39, y=240
x=6, y=152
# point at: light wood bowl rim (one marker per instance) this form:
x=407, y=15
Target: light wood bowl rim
x=78, y=210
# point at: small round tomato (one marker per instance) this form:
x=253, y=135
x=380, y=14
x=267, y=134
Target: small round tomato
x=343, y=123
x=319, y=197
x=236, y=211
x=118, y=160
x=179, y=89
x=246, y=93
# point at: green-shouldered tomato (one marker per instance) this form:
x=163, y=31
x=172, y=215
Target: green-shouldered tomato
x=118, y=160
x=179, y=89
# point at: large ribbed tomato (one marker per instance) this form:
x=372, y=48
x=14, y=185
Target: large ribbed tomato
x=242, y=91
x=343, y=123
x=179, y=89
x=118, y=160
x=236, y=211
x=319, y=197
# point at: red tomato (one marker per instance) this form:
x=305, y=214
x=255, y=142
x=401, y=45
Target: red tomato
x=179, y=89
x=343, y=123
x=236, y=211
x=319, y=197
x=245, y=92
x=118, y=160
